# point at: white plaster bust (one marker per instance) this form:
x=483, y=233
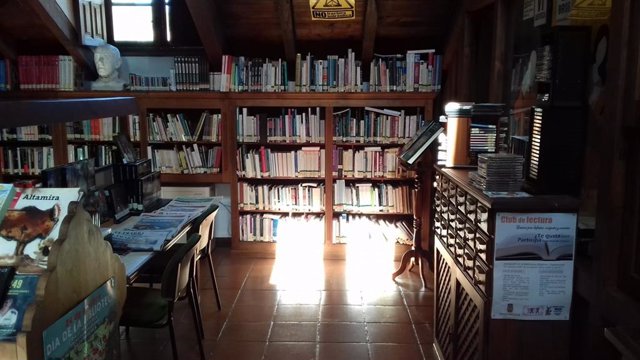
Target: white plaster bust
x=108, y=61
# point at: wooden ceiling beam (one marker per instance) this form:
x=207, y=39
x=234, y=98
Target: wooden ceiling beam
x=63, y=30
x=207, y=19
x=369, y=31
x=285, y=14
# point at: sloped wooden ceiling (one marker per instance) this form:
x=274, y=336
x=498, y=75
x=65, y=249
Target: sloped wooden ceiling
x=277, y=28
x=259, y=28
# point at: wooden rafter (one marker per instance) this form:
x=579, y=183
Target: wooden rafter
x=63, y=30
x=369, y=31
x=285, y=14
x=207, y=20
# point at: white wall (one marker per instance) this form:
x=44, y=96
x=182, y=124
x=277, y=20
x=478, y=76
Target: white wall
x=67, y=8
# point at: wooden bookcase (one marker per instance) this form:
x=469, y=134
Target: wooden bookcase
x=226, y=104
x=47, y=111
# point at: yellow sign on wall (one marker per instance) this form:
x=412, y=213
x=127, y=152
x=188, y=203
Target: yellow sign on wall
x=332, y=9
x=567, y=10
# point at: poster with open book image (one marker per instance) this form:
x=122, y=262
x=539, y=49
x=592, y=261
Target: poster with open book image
x=533, y=266
x=548, y=236
x=31, y=225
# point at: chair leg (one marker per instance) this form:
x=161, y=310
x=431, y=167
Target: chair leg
x=195, y=309
x=172, y=333
x=213, y=280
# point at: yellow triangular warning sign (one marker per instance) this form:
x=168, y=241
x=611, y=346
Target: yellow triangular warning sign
x=332, y=9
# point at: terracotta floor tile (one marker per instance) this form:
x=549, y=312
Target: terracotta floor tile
x=386, y=314
x=252, y=313
x=421, y=314
x=425, y=333
x=341, y=313
x=395, y=352
x=341, y=297
x=418, y=298
x=342, y=332
x=294, y=332
x=291, y=351
x=391, y=333
x=429, y=352
x=387, y=298
x=297, y=313
x=342, y=351
x=295, y=297
x=337, y=313
x=238, y=350
x=260, y=283
x=245, y=332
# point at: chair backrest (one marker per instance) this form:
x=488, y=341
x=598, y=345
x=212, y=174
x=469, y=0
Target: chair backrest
x=179, y=269
x=203, y=224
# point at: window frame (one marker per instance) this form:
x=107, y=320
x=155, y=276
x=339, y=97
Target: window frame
x=159, y=45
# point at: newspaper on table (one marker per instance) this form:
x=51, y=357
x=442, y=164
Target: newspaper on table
x=150, y=231
x=191, y=207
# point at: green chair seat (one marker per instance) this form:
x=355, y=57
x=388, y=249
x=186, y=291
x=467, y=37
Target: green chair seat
x=144, y=307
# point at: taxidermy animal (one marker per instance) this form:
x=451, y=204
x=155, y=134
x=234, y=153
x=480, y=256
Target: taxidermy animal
x=27, y=224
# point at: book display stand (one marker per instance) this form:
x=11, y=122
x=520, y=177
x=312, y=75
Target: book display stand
x=412, y=157
x=80, y=261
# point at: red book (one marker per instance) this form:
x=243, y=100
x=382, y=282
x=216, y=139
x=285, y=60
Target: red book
x=263, y=161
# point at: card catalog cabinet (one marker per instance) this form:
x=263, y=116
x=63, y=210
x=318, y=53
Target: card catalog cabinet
x=463, y=225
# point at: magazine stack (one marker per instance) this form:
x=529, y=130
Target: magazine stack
x=498, y=172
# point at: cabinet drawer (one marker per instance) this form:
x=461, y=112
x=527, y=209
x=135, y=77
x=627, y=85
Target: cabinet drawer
x=471, y=207
x=481, y=244
x=460, y=200
x=480, y=276
x=482, y=217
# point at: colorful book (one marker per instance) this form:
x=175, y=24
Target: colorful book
x=30, y=227
x=7, y=192
x=21, y=294
x=88, y=331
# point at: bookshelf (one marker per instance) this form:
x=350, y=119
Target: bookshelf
x=228, y=105
x=326, y=216
x=37, y=130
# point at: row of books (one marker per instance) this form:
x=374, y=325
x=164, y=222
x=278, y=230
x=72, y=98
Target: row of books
x=149, y=83
x=350, y=226
x=46, y=72
x=264, y=162
x=192, y=159
x=101, y=129
x=102, y=154
x=190, y=73
x=7, y=75
x=368, y=162
x=301, y=197
x=292, y=125
x=176, y=127
x=240, y=74
x=417, y=70
x=26, y=133
x=26, y=160
x=373, y=125
x=273, y=228
x=366, y=197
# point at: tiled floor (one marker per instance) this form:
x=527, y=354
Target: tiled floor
x=299, y=310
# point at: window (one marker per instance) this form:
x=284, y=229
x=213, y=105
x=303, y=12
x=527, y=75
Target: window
x=144, y=24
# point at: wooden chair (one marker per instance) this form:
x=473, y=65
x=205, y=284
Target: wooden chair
x=153, y=308
x=202, y=225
